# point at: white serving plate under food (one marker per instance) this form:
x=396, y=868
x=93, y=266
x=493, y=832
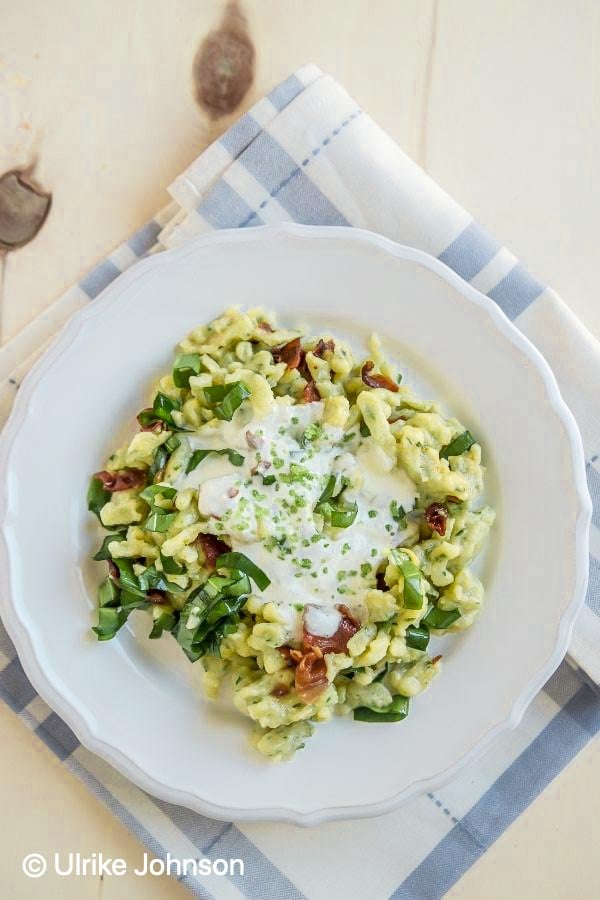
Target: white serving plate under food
x=137, y=703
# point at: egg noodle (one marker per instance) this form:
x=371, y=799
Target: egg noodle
x=298, y=521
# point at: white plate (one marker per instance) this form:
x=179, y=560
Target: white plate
x=137, y=703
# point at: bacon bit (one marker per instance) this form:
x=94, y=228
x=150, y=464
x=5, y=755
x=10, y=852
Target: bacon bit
x=121, y=480
x=436, y=659
x=280, y=690
x=337, y=642
x=311, y=677
x=291, y=354
x=212, y=548
x=157, y=597
x=233, y=492
x=156, y=427
x=322, y=347
x=377, y=380
x=381, y=582
x=254, y=441
x=452, y=499
x=113, y=570
x=264, y=326
x=310, y=394
x=436, y=516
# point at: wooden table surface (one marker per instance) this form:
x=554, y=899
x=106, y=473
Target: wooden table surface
x=498, y=100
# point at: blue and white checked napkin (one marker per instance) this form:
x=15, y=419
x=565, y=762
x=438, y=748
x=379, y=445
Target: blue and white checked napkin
x=307, y=153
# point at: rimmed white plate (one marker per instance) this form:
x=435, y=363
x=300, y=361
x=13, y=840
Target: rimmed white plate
x=137, y=703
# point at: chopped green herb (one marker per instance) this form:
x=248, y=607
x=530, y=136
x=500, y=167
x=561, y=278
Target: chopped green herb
x=226, y=398
x=104, y=552
x=398, y=514
x=459, y=445
x=235, y=458
x=312, y=433
x=440, y=618
x=165, y=622
x=393, y=712
x=413, y=597
x=186, y=365
x=241, y=562
x=108, y=593
x=97, y=497
x=417, y=638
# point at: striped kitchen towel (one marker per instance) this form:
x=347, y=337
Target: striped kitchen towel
x=307, y=153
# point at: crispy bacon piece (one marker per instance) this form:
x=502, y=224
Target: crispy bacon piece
x=291, y=354
x=377, y=380
x=113, y=570
x=280, y=690
x=436, y=516
x=310, y=394
x=122, y=479
x=156, y=596
x=338, y=641
x=264, y=326
x=311, y=676
x=436, y=659
x=156, y=426
x=322, y=346
x=212, y=548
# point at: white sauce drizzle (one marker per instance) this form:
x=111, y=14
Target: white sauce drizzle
x=275, y=524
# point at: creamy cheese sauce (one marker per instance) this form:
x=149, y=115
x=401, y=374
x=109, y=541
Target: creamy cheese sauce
x=275, y=525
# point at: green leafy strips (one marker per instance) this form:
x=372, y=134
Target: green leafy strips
x=186, y=365
x=117, y=600
x=459, y=445
x=440, y=618
x=108, y=593
x=417, y=638
x=393, y=712
x=128, y=580
x=159, y=522
x=163, y=409
x=150, y=493
x=170, y=567
x=413, y=595
x=151, y=580
x=161, y=516
x=161, y=456
x=104, y=552
x=226, y=398
x=210, y=613
x=164, y=406
x=110, y=620
x=241, y=562
x=165, y=622
x=97, y=496
x=235, y=458
x=330, y=505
